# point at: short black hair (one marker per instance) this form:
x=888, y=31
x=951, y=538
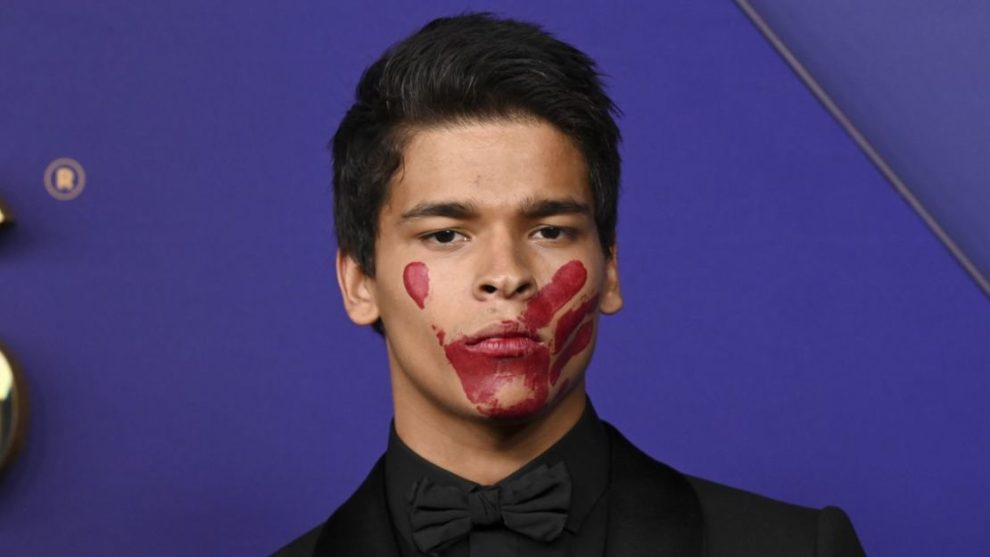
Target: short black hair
x=471, y=67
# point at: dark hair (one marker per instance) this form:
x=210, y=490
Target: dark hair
x=459, y=69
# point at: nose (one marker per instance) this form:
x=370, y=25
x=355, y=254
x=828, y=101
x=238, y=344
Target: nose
x=504, y=271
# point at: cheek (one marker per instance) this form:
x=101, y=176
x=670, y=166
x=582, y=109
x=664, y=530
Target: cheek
x=416, y=278
x=565, y=284
x=580, y=341
x=570, y=321
x=573, y=334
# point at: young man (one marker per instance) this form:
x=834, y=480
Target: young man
x=476, y=181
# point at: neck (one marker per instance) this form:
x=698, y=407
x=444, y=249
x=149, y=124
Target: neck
x=476, y=448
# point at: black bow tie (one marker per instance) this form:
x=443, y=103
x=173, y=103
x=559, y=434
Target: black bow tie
x=535, y=504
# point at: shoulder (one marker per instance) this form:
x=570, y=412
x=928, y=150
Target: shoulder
x=360, y=526
x=304, y=545
x=737, y=522
x=735, y=519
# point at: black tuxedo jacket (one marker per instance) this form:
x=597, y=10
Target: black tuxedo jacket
x=653, y=510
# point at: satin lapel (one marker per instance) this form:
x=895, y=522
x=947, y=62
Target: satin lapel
x=652, y=509
x=361, y=526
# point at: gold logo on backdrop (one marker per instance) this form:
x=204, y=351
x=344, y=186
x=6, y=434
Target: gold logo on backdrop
x=6, y=217
x=13, y=410
x=65, y=178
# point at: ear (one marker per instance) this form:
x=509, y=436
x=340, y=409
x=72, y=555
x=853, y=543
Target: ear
x=611, y=300
x=357, y=290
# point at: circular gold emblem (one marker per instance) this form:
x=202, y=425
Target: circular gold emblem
x=65, y=178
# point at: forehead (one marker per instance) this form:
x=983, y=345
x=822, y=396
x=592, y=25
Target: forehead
x=498, y=163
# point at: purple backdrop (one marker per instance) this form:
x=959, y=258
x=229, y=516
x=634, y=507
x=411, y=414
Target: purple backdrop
x=791, y=326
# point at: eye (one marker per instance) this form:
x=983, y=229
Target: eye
x=554, y=232
x=442, y=236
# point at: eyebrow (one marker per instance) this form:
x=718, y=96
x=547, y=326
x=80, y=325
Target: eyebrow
x=531, y=209
x=449, y=209
x=542, y=208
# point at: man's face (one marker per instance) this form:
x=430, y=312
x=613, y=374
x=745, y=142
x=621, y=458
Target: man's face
x=489, y=270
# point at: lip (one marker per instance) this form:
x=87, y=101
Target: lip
x=505, y=340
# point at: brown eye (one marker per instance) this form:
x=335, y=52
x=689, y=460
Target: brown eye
x=442, y=236
x=552, y=232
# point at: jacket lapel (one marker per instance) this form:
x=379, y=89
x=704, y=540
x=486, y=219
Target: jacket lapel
x=361, y=526
x=653, y=510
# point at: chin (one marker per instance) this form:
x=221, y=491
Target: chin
x=519, y=412
x=515, y=409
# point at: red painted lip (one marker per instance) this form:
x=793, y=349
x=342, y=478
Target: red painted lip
x=504, y=330
x=504, y=347
x=507, y=339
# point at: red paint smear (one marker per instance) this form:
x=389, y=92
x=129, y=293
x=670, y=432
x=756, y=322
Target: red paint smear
x=565, y=284
x=440, y=334
x=581, y=340
x=483, y=376
x=569, y=322
x=416, y=277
